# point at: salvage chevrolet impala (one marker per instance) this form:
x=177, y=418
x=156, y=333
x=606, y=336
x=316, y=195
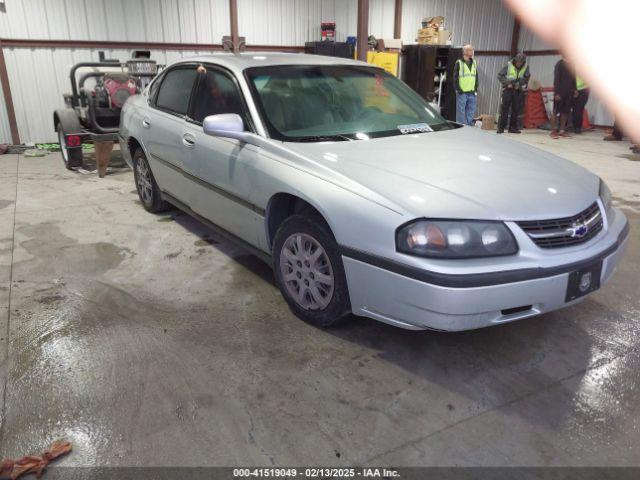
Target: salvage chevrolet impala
x=363, y=198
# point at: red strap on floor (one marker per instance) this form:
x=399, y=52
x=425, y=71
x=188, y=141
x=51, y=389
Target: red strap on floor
x=13, y=469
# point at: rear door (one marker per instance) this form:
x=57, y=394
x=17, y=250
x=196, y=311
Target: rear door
x=164, y=123
x=222, y=169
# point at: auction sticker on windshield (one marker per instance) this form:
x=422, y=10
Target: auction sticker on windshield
x=414, y=128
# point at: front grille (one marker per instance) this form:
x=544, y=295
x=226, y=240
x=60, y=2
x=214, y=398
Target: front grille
x=565, y=232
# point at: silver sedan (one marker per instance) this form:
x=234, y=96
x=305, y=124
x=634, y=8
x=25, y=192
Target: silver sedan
x=363, y=198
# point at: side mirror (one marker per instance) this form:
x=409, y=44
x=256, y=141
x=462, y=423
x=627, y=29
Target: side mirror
x=228, y=125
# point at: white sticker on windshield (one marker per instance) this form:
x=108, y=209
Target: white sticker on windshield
x=415, y=128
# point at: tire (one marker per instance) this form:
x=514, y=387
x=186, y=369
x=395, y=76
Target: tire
x=146, y=185
x=72, y=157
x=320, y=304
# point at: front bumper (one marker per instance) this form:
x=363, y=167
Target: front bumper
x=407, y=301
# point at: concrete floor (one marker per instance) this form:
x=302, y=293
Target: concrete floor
x=147, y=341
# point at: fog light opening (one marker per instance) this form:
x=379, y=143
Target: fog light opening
x=513, y=311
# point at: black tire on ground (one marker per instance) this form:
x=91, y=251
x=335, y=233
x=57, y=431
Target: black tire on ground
x=72, y=157
x=334, y=305
x=148, y=190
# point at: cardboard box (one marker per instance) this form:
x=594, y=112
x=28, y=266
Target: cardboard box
x=427, y=32
x=433, y=22
x=431, y=36
x=488, y=122
x=427, y=36
x=444, y=37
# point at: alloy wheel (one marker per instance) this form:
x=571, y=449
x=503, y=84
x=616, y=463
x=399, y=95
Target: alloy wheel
x=145, y=187
x=306, y=271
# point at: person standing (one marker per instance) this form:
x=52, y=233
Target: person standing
x=514, y=78
x=465, y=80
x=581, y=97
x=564, y=90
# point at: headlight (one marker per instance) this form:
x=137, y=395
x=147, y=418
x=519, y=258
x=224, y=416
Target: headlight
x=605, y=196
x=455, y=239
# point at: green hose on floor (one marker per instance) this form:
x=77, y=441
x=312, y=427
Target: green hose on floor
x=55, y=147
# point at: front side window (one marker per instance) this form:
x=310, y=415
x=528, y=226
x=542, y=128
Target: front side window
x=216, y=93
x=338, y=102
x=175, y=90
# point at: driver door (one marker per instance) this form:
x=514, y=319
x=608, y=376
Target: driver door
x=221, y=170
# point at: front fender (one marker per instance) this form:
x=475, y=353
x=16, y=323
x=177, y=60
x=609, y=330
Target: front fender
x=356, y=221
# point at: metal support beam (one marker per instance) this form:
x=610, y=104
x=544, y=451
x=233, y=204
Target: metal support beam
x=93, y=44
x=8, y=99
x=363, y=29
x=233, y=19
x=397, y=20
x=515, y=36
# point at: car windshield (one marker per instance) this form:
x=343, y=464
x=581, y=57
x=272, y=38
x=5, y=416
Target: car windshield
x=338, y=102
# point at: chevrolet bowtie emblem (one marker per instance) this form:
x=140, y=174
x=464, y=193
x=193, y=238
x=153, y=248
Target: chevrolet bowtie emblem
x=578, y=230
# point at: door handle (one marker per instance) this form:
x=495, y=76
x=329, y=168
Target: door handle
x=146, y=123
x=188, y=140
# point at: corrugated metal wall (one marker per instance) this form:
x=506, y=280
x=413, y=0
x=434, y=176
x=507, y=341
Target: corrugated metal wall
x=39, y=77
x=485, y=23
x=5, y=131
x=293, y=22
x=193, y=21
x=541, y=68
x=530, y=41
x=489, y=87
x=381, y=15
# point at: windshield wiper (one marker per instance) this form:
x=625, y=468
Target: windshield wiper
x=323, y=138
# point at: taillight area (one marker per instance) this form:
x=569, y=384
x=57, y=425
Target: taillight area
x=73, y=141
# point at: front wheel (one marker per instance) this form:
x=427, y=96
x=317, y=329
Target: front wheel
x=72, y=157
x=309, y=271
x=148, y=190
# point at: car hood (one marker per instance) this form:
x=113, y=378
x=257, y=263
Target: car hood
x=460, y=173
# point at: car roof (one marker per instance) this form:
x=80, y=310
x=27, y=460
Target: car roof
x=239, y=62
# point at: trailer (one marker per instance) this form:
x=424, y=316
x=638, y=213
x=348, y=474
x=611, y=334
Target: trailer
x=92, y=113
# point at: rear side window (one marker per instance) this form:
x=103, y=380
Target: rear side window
x=175, y=90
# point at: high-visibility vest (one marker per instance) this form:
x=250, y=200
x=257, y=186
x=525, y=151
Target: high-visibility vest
x=514, y=74
x=467, y=76
x=580, y=83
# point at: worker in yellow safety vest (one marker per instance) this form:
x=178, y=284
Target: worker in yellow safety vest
x=465, y=80
x=514, y=78
x=580, y=99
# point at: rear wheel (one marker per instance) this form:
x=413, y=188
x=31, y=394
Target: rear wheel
x=72, y=157
x=148, y=190
x=309, y=271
